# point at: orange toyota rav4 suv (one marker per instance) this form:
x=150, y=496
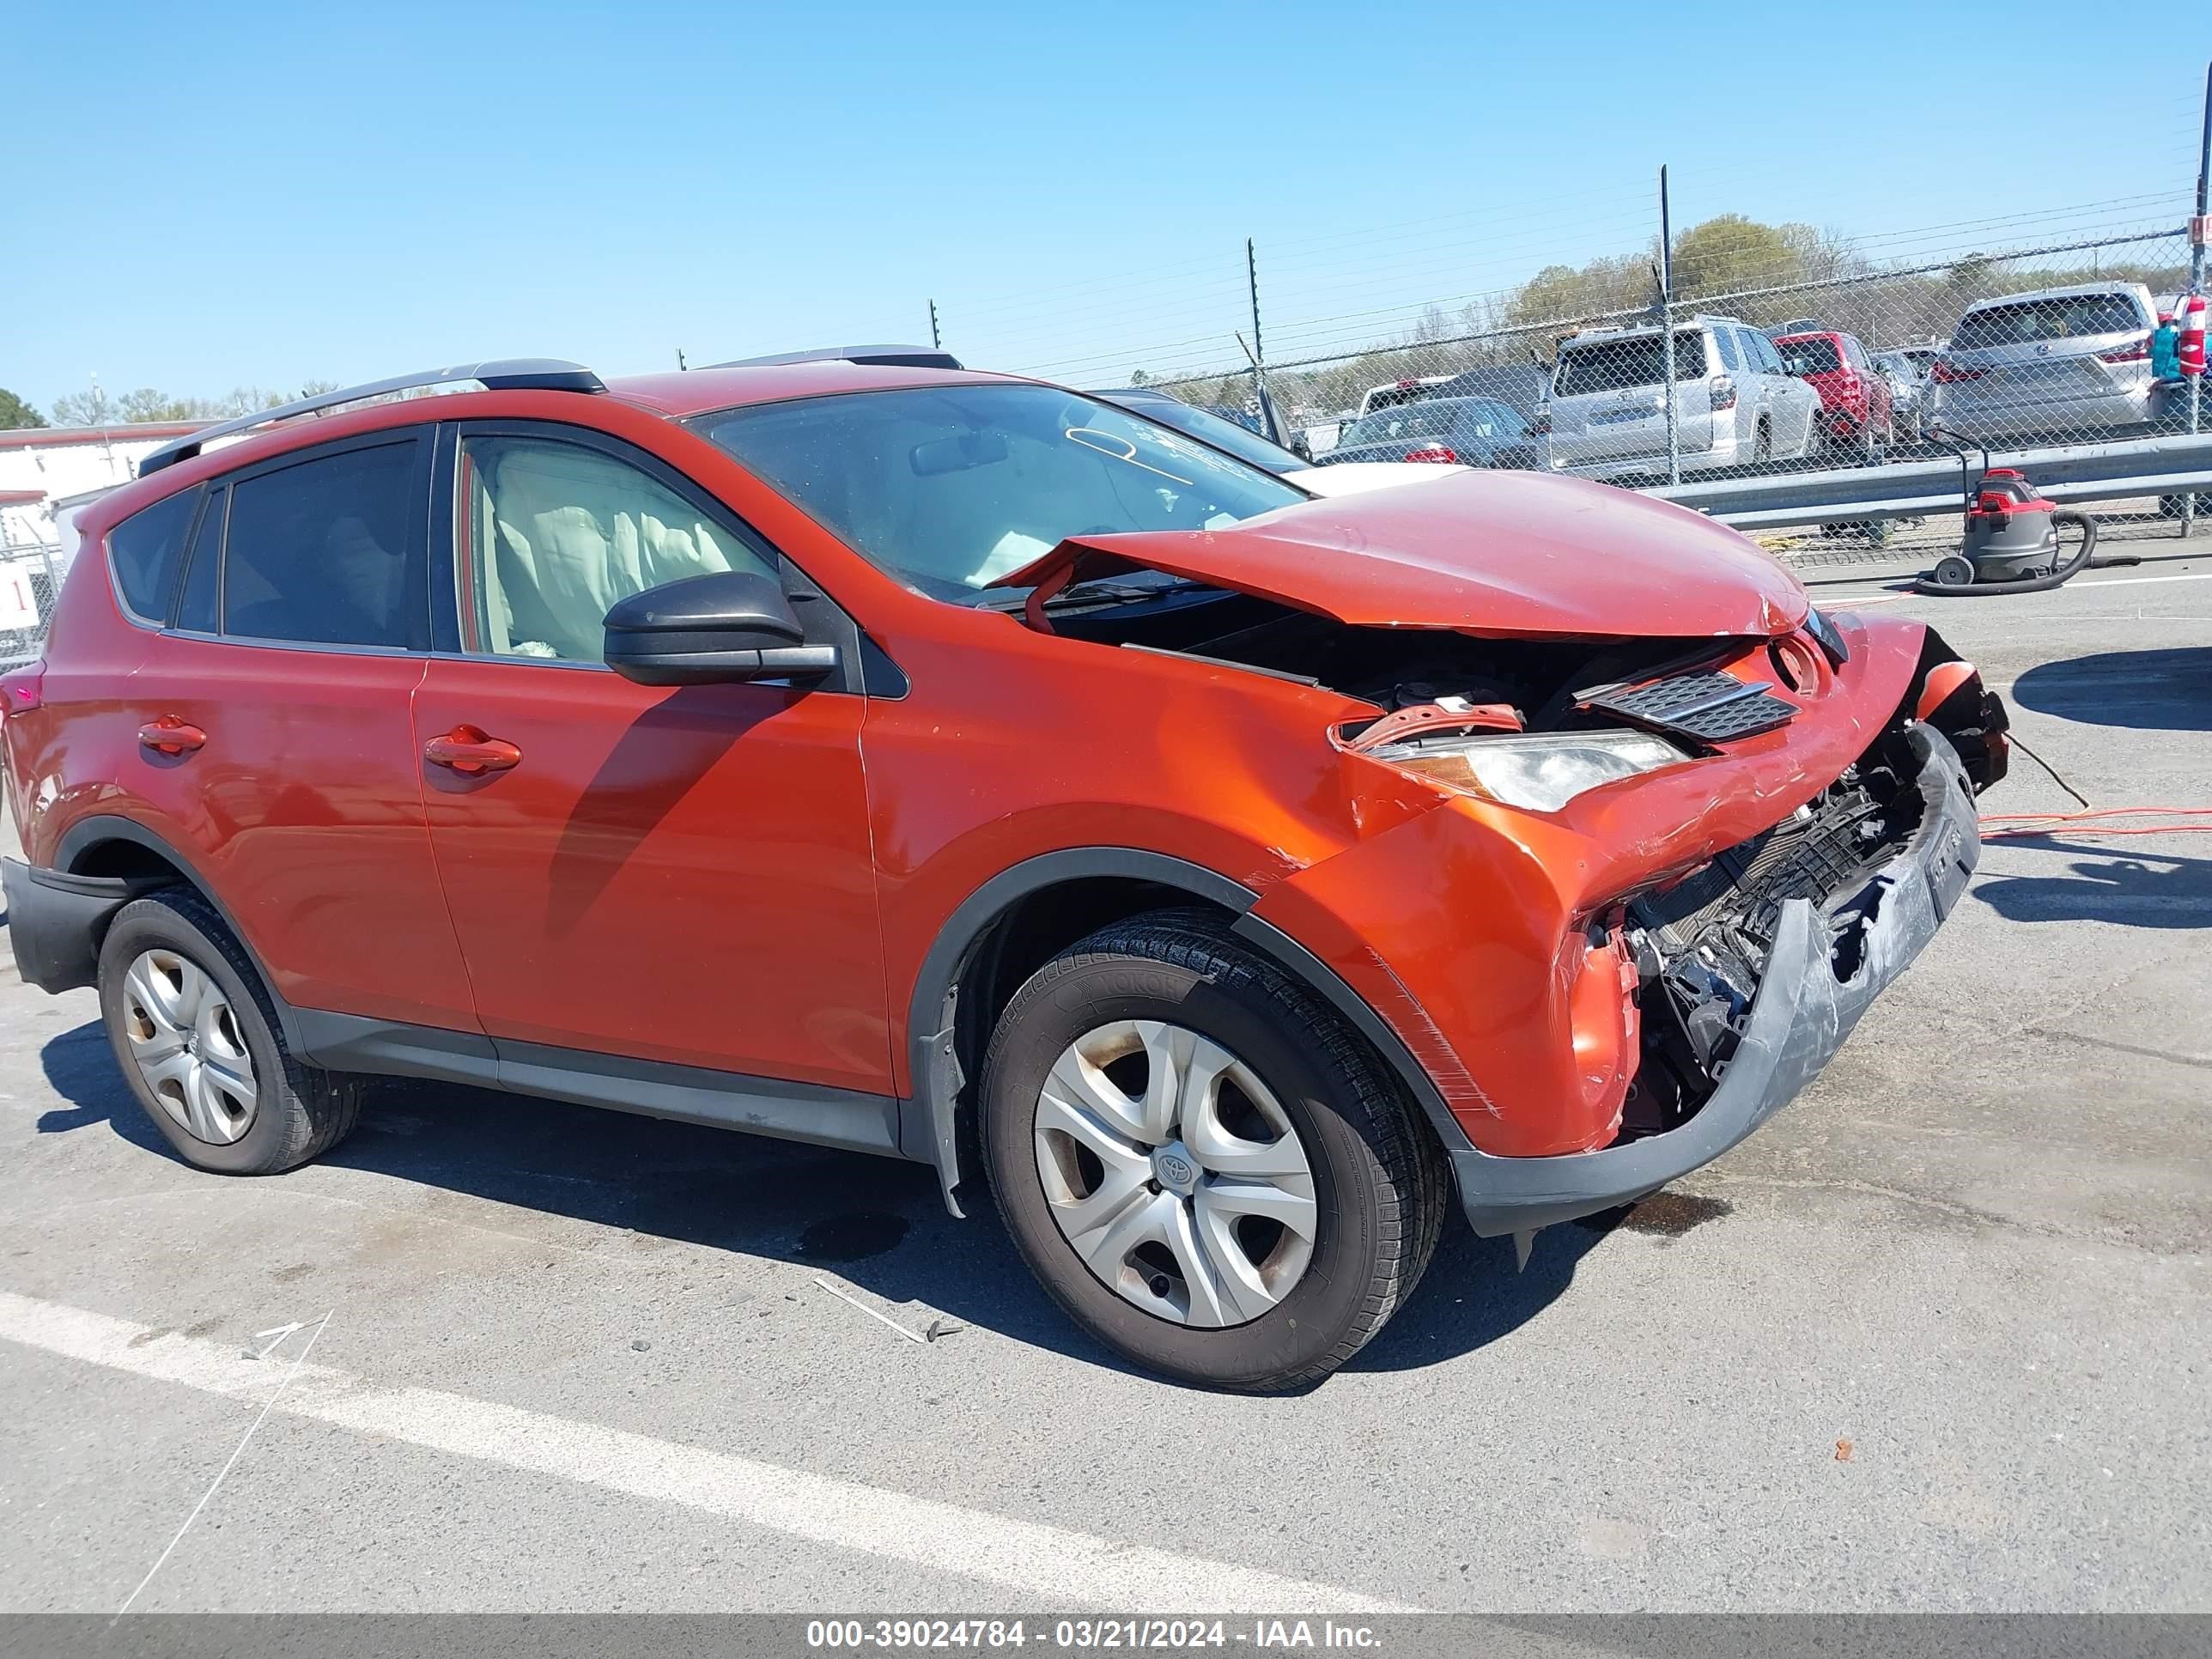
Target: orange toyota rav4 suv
x=955, y=767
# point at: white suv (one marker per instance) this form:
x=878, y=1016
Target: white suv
x=1735, y=404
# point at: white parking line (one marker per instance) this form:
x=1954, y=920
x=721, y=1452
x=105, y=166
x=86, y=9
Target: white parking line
x=2079, y=585
x=1052, y=1563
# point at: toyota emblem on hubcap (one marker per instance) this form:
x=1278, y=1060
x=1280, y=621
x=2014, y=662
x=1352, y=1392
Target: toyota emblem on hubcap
x=1176, y=1171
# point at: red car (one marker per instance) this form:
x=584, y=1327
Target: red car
x=1856, y=406
x=958, y=768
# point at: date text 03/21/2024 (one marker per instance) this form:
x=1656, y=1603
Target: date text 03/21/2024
x=1128, y=1634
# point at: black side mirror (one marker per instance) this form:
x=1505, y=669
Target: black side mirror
x=727, y=625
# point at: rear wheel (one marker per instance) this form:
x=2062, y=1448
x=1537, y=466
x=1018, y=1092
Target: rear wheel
x=196, y=1034
x=1200, y=1163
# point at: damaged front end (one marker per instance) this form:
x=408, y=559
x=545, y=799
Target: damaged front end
x=1627, y=848
x=1753, y=971
x=1702, y=947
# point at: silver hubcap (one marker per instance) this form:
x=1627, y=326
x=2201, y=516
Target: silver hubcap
x=1175, y=1174
x=188, y=1048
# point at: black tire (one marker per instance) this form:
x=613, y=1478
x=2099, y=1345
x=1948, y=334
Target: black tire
x=299, y=1111
x=1762, y=445
x=1380, y=1180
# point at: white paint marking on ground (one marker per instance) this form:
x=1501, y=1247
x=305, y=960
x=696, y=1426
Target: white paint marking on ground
x=238, y=1452
x=1054, y=1563
x=911, y=1336
x=2079, y=585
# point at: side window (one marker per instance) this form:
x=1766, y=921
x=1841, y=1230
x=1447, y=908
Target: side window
x=547, y=535
x=144, y=551
x=1725, y=338
x=1769, y=358
x=200, y=610
x=319, y=552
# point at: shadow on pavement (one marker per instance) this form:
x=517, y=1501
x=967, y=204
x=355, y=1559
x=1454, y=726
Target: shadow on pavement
x=875, y=1223
x=2148, y=690
x=2135, y=889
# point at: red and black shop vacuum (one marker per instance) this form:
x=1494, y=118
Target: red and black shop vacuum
x=2013, y=544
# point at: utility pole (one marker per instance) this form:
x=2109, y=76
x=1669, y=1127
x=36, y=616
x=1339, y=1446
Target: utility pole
x=1259, y=351
x=936, y=340
x=1666, y=329
x=2197, y=228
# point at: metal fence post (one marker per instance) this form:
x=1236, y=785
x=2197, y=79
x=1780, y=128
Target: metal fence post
x=1259, y=348
x=2196, y=279
x=1666, y=329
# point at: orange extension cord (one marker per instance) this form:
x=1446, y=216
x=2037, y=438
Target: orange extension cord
x=2043, y=825
x=2036, y=824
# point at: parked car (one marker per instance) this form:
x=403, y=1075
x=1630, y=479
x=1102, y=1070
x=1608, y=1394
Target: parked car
x=1467, y=431
x=751, y=747
x=1857, y=406
x=1321, y=435
x=1379, y=472
x=1393, y=392
x=2057, y=364
x=1907, y=375
x=1521, y=385
x=1735, y=404
x=1795, y=325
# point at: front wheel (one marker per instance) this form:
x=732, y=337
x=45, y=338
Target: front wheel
x=1200, y=1163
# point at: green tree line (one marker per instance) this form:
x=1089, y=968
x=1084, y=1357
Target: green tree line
x=96, y=407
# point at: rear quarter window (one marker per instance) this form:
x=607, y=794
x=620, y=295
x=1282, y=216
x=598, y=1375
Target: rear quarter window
x=145, y=550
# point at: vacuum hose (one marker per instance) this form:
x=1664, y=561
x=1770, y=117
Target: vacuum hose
x=2059, y=578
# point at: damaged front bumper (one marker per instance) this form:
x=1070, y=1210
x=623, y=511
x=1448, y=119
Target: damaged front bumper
x=1800, y=1016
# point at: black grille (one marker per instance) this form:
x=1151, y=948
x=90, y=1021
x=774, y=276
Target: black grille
x=1713, y=707
x=1817, y=856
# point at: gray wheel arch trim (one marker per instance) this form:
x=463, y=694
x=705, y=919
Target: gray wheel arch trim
x=88, y=833
x=929, y=1119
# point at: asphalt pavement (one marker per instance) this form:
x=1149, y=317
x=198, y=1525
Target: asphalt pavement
x=1938, y=1337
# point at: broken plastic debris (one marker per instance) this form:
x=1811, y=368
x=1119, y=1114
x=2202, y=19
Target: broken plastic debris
x=1843, y=1451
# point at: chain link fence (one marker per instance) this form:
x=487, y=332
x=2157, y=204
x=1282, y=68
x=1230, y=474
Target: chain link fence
x=1718, y=373
x=28, y=581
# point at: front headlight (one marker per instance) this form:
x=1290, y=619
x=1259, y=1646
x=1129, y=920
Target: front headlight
x=1540, y=772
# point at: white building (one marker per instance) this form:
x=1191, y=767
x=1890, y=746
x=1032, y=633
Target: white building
x=46, y=473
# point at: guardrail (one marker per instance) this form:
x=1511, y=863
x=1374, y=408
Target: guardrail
x=1921, y=488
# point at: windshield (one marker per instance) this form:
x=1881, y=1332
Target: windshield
x=1435, y=418
x=950, y=488
x=1206, y=425
x=2060, y=317
x=1814, y=355
x=1635, y=360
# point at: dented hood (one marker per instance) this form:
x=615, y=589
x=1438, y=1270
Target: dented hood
x=1486, y=553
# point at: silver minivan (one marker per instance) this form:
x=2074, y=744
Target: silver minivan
x=2057, y=363
x=1735, y=405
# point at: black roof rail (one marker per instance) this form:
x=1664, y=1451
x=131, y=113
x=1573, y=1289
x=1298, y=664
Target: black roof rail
x=501, y=374
x=885, y=356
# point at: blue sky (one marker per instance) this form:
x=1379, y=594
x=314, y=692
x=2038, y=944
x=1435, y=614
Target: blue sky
x=205, y=196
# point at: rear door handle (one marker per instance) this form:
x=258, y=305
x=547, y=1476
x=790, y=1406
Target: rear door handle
x=171, y=736
x=467, y=750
